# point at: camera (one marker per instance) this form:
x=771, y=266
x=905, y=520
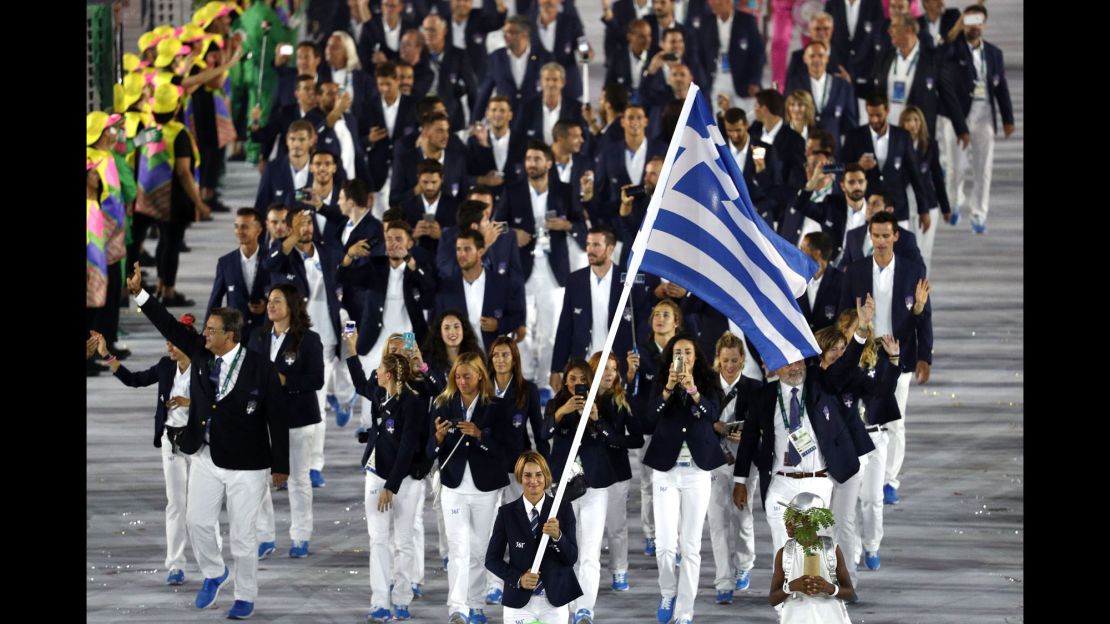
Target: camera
x=285, y=50
x=635, y=191
x=303, y=195
x=832, y=168
x=581, y=390
x=670, y=57
x=679, y=363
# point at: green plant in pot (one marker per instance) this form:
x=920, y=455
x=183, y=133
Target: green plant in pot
x=807, y=515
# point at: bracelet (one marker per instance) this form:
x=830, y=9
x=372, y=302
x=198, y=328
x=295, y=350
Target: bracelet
x=110, y=359
x=423, y=367
x=836, y=591
x=692, y=392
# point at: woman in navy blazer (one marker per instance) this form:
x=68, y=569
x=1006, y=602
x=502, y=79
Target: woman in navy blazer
x=449, y=336
x=534, y=597
x=171, y=373
x=470, y=437
x=682, y=452
x=298, y=356
x=561, y=417
x=932, y=175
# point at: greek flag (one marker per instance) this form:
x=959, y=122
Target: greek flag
x=702, y=233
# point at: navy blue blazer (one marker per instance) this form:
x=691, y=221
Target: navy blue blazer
x=369, y=282
x=248, y=429
x=512, y=530
x=484, y=455
x=619, y=71
x=515, y=207
x=932, y=176
x=932, y=89
x=230, y=282
x=520, y=417
x=499, y=76
x=961, y=69
x=455, y=180
x=289, y=269
x=858, y=52
x=326, y=138
x=456, y=79
x=633, y=433
x=504, y=301
x=616, y=29
x=607, y=431
x=480, y=160
x=502, y=257
x=380, y=155
x=568, y=28
x=162, y=374
x=948, y=19
x=840, y=113
x=396, y=429
x=363, y=89
x=276, y=186
x=612, y=174
x=797, y=72
x=874, y=387
x=841, y=440
x=372, y=39
x=905, y=246
x=303, y=370
x=412, y=212
x=278, y=123
x=826, y=304
x=915, y=333
x=746, y=55
x=899, y=170
x=478, y=24
x=678, y=420
x=285, y=94
x=791, y=150
x=530, y=123
x=639, y=390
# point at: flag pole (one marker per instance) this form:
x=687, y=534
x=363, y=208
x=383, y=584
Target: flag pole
x=636, y=256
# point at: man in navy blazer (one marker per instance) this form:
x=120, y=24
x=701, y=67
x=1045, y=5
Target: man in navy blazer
x=542, y=110
x=835, y=100
x=502, y=254
x=383, y=131
x=431, y=200
x=564, y=48
x=935, y=23
x=374, y=46
x=339, y=121
x=237, y=431
x=762, y=176
x=857, y=241
x=899, y=168
x=771, y=127
x=435, y=144
x=628, y=67
x=472, y=27
x=902, y=309
x=744, y=59
x=612, y=163
x=616, y=20
x=493, y=303
x=453, y=76
x=278, y=123
x=856, y=48
x=285, y=174
x=506, y=165
x=307, y=63
x=821, y=300
x=820, y=29
x=240, y=276
x=500, y=74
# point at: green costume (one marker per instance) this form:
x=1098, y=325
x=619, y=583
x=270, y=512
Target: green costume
x=245, y=89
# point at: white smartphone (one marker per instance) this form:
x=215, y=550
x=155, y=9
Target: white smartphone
x=285, y=50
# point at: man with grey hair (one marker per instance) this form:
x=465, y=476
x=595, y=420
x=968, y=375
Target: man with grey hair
x=820, y=29
x=512, y=71
x=452, y=77
x=550, y=105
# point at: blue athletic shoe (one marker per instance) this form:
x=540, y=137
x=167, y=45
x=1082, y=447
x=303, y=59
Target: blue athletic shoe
x=890, y=495
x=380, y=616
x=677, y=559
x=265, y=549
x=954, y=218
x=284, y=485
x=457, y=618
x=445, y=564
x=316, y=478
x=417, y=590
x=176, y=577
x=401, y=613
x=299, y=550
x=724, y=596
x=545, y=396
x=343, y=412
x=333, y=403
x=855, y=597
x=665, y=610
x=478, y=616
x=979, y=228
x=209, y=590
x=872, y=560
x=494, y=596
x=240, y=610
x=649, y=546
x=583, y=616
x=620, y=581
x=743, y=579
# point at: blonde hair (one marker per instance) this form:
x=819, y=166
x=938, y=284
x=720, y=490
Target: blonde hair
x=728, y=340
x=921, y=137
x=806, y=100
x=675, y=310
x=400, y=367
x=532, y=457
x=475, y=361
x=870, y=355
x=618, y=385
x=348, y=46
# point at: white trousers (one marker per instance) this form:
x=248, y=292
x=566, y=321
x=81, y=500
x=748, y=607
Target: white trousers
x=417, y=572
x=300, y=491
x=731, y=530
x=779, y=494
x=896, y=447
x=384, y=552
x=647, y=507
x=538, y=609
x=509, y=493
x=543, y=299
x=681, y=498
x=616, y=527
x=968, y=176
x=175, y=469
x=589, y=514
x=843, y=506
x=871, y=494
x=722, y=83
x=468, y=519
x=370, y=363
x=337, y=381
x=208, y=485
x=925, y=240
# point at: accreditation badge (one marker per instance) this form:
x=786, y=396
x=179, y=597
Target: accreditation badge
x=803, y=442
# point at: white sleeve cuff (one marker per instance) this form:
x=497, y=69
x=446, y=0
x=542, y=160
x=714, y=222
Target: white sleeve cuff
x=142, y=297
x=740, y=480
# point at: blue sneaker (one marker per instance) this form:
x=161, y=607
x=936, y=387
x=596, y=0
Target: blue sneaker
x=545, y=396
x=265, y=549
x=333, y=403
x=457, y=618
x=620, y=581
x=890, y=495
x=724, y=596
x=665, y=610
x=954, y=218
x=343, y=412
x=978, y=228
x=855, y=597
x=743, y=580
x=401, y=613
x=316, y=478
x=380, y=616
x=494, y=596
x=872, y=560
x=299, y=550
x=417, y=590
x=176, y=577
x=209, y=590
x=583, y=616
x=677, y=559
x=649, y=546
x=240, y=610
x=478, y=616
x=284, y=485
x=445, y=564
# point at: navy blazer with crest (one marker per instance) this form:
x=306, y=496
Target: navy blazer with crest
x=599, y=436
x=905, y=246
x=446, y=209
x=512, y=530
x=485, y=455
x=248, y=428
x=455, y=179
x=230, y=282
x=948, y=19
x=791, y=150
x=380, y=155
x=163, y=374
x=568, y=28
x=612, y=174
x=961, y=69
x=915, y=333
x=840, y=112
x=304, y=374
x=515, y=207
x=899, y=169
x=499, y=76
x=396, y=428
x=857, y=53
x=826, y=303
x=289, y=269
x=520, y=417
x=678, y=419
x=874, y=387
x=932, y=89
x=504, y=301
x=372, y=280
x=503, y=256
x=480, y=160
x=746, y=54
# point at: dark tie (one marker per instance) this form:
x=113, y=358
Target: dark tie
x=536, y=535
x=214, y=376
x=792, y=456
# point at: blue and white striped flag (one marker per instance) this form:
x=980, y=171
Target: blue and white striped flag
x=702, y=233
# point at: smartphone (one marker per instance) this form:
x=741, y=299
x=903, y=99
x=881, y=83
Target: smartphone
x=430, y=216
x=733, y=427
x=973, y=19
x=349, y=327
x=636, y=191
x=285, y=50
x=581, y=390
x=551, y=214
x=679, y=364
x=502, y=226
x=303, y=195
x=832, y=168
x=670, y=57
x=759, y=152
x=410, y=340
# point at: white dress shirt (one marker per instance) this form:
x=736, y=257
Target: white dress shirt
x=346, y=147
x=811, y=289
x=466, y=484
x=852, y=7
x=637, y=65
x=724, y=35
x=179, y=416
x=979, y=62
x=518, y=66
x=392, y=35
x=345, y=236
x=390, y=113
x=228, y=375
x=902, y=69
x=547, y=34
x=300, y=178
x=769, y=134
x=600, y=289
x=276, y=340
x=318, y=299
x=550, y=116
x=565, y=170
x=395, y=317
x=819, y=88
x=741, y=153
x=814, y=461
x=882, y=283
x=882, y=145
x=250, y=269
x=500, y=147
x=458, y=33
x=475, y=293
x=634, y=161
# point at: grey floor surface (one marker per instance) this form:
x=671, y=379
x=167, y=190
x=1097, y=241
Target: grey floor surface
x=952, y=552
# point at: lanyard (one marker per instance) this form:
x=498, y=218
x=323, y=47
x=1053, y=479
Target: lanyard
x=782, y=408
x=230, y=371
x=912, y=63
